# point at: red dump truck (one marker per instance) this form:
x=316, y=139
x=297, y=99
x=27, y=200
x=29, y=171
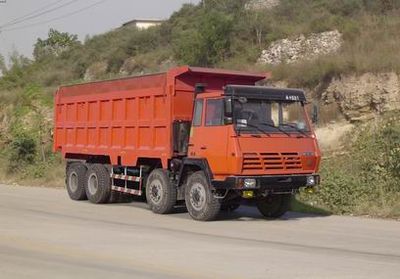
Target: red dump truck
x=204, y=137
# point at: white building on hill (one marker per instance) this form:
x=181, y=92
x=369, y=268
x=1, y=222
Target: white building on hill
x=142, y=23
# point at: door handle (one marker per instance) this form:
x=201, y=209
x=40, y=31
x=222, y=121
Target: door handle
x=203, y=147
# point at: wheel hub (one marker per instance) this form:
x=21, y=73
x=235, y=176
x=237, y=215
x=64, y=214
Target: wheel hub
x=198, y=196
x=93, y=184
x=73, y=182
x=156, y=191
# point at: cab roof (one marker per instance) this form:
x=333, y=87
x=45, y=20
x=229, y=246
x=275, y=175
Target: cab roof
x=268, y=93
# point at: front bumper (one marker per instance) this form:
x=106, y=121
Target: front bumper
x=274, y=183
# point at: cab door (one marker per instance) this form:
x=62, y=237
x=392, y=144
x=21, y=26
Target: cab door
x=209, y=135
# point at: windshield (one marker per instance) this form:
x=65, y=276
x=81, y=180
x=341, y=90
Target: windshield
x=264, y=116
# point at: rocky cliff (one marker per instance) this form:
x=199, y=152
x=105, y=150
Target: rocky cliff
x=361, y=97
x=302, y=48
x=261, y=4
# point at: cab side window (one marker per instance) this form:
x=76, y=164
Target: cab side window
x=198, y=112
x=214, y=112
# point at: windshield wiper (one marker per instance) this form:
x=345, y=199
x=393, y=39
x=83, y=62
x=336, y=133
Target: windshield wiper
x=273, y=126
x=296, y=128
x=256, y=127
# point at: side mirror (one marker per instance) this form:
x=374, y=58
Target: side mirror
x=228, y=107
x=228, y=111
x=315, y=114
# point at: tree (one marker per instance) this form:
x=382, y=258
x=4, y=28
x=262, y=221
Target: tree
x=215, y=32
x=56, y=43
x=227, y=6
x=208, y=43
x=255, y=26
x=190, y=48
x=16, y=73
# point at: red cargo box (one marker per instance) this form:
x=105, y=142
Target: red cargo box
x=131, y=118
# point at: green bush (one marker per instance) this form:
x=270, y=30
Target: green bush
x=23, y=149
x=366, y=179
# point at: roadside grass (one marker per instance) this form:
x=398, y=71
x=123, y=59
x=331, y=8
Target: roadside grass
x=36, y=173
x=51, y=174
x=298, y=205
x=366, y=179
x=396, y=208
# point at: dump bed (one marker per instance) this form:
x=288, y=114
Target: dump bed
x=131, y=118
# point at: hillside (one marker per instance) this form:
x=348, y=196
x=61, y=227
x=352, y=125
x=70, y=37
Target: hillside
x=353, y=78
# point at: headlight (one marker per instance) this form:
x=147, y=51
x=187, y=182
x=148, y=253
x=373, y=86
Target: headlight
x=250, y=183
x=310, y=181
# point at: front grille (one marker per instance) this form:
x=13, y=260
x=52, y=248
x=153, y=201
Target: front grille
x=271, y=161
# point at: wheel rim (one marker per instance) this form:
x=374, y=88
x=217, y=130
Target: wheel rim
x=156, y=191
x=93, y=184
x=197, y=196
x=73, y=181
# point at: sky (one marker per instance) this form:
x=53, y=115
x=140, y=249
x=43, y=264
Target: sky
x=97, y=16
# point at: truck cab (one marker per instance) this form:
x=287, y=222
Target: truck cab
x=256, y=143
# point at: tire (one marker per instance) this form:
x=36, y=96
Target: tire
x=75, y=181
x=200, y=201
x=98, y=184
x=160, y=193
x=274, y=206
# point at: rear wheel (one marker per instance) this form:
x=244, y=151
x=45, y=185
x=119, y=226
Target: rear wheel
x=200, y=201
x=160, y=193
x=75, y=181
x=98, y=184
x=274, y=206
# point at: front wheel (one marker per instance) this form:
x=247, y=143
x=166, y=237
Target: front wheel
x=200, y=201
x=274, y=206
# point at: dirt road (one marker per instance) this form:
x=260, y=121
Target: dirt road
x=43, y=234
